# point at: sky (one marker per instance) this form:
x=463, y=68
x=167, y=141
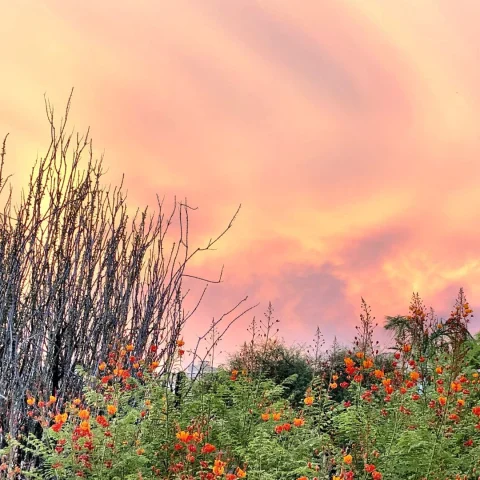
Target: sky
x=346, y=129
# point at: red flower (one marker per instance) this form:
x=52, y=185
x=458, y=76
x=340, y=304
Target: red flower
x=208, y=448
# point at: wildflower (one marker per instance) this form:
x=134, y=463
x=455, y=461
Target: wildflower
x=287, y=427
x=454, y=417
x=349, y=362
x=184, y=436
x=308, y=401
x=84, y=414
x=208, y=448
x=302, y=478
x=230, y=476
x=218, y=467
x=241, y=473
x=442, y=401
x=180, y=342
x=279, y=429
x=129, y=348
x=76, y=401
x=456, y=387
x=414, y=375
x=101, y=420
x=333, y=385
x=298, y=422
x=347, y=459
x=154, y=365
x=359, y=354
x=468, y=443
x=460, y=402
x=56, y=427
x=102, y=366
x=369, y=467
x=153, y=348
x=439, y=370
x=407, y=348
x=476, y=411
x=30, y=401
x=111, y=409
x=181, y=352
x=140, y=451
x=376, y=476
x=368, y=363
x=378, y=374
x=61, y=417
x=52, y=399
x=265, y=417
x=276, y=416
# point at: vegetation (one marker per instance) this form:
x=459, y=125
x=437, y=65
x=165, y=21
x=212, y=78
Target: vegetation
x=91, y=342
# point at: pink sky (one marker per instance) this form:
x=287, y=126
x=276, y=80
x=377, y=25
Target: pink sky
x=348, y=131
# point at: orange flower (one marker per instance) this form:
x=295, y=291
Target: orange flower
x=241, y=473
x=456, y=387
x=442, y=401
x=298, y=422
x=348, y=362
x=378, y=374
x=111, y=409
x=184, y=436
x=84, y=414
x=414, y=375
x=333, y=385
x=218, y=467
x=180, y=342
x=61, y=417
x=265, y=417
x=308, y=401
x=30, y=401
x=76, y=401
x=439, y=370
x=154, y=365
x=129, y=348
x=85, y=426
x=348, y=459
x=52, y=399
x=407, y=348
x=277, y=416
x=460, y=402
x=359, y=354
x=368, y=363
